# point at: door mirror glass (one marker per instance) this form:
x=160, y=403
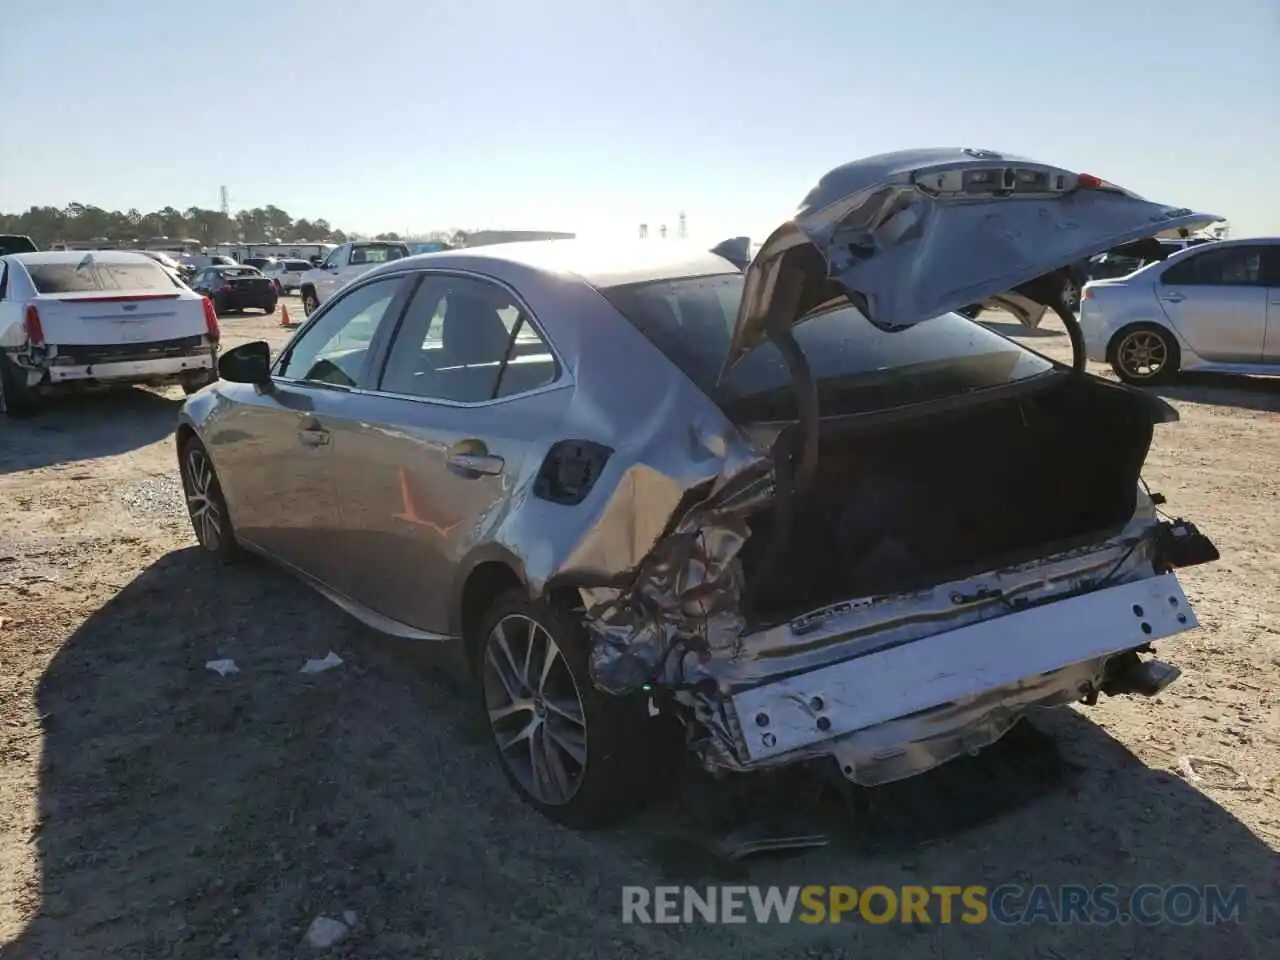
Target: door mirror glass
x=247, y=363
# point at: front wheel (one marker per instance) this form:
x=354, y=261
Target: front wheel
x=205, y=503
x=1144, y=355
x=309, y=303
x=269, y=308
x=574, y=753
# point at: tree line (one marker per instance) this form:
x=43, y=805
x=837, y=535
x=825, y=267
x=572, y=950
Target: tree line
x=79, y=222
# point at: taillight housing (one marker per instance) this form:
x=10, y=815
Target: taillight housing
x=1086, y=294
x=211, y=328
x=32, y=326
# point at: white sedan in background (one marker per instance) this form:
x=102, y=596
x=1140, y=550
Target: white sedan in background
x=287, y=274
x=108, y=317
x=1213, y=308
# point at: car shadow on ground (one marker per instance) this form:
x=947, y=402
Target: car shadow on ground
x=187, y=813
x=74, y=427
x=1249, y=393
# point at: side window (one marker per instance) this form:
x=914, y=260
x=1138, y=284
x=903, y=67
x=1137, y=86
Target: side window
x=332, y=259
x=4, y=280
x=1218, y=267
x=334, y=348
x=466, y=341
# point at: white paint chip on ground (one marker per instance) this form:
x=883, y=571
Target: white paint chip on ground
x=222, y=667
x=319, y=666
x=1213, y=774
x=324, y=932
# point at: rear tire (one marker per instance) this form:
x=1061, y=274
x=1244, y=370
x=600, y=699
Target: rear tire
x=1070, y=295
x=577, y=755
x=194, y=383
x=206, y=506
x=1144, y=355
x=16, y=398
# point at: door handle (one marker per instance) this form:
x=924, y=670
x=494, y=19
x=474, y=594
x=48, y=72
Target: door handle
x=1173, y=298
x=313, y=438
x=485, y=463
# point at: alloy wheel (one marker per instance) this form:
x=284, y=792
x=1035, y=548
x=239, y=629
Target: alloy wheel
x=203, y=501
x=1071, y=295
x=309, y=304
x=1142, y=354
x=535, y=710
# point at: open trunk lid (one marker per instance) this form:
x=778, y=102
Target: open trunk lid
x=911, y=235
x=118, y=317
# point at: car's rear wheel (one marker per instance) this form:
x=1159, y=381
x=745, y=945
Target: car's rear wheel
x=205, y=503
x=309, y=303
x=576, y=754
x=194, y=382
x=16, y=398
x=1070, y=295
x=1144, y=354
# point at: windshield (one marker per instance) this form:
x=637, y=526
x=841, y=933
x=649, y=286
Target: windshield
x=691, y=321
x=90, y=276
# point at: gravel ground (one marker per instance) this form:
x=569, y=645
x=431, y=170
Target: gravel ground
x=152, y=808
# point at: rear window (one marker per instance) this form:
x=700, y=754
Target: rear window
x=12, y=243
x=96, y=276
x=240, y=272
x=376, y=254
x=691, y=321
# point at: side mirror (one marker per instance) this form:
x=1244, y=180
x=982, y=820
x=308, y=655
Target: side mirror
x=247, y=363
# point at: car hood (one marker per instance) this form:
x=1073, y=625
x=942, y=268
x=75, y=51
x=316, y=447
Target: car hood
x=911, y=235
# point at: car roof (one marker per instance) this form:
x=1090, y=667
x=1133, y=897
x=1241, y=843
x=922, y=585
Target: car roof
x=75, y=256
x=599, y=263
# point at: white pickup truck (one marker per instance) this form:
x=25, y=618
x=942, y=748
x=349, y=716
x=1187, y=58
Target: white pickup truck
x=343, y=264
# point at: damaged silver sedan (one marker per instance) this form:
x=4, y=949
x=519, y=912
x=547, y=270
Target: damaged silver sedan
x=789, y=510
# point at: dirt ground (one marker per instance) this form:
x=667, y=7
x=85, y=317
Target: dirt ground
x=152, y=808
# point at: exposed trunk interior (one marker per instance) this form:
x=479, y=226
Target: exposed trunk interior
x=923, y=501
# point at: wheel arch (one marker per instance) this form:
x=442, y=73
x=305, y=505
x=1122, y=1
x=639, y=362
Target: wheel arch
x=488, y=572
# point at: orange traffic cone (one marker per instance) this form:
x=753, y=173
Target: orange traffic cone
x=284, y=315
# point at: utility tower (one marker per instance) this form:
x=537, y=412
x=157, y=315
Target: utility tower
x=226, y=201
x=644, y=231
x=662, y=231
x=682, y=231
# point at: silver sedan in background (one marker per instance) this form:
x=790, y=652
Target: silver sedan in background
x=797, y=512
x=1213, y=308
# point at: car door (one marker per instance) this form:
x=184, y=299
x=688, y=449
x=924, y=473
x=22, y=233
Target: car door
x=200, y=282
x=458, y=421
x=1216, y=298
x=1271, y=274
x=275, y=449
x=330, y=280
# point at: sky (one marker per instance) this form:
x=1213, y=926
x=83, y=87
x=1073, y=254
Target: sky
x=596, y=116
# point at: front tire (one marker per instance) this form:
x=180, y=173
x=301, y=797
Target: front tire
x=576, y=754
x=310, y=303
x=270, y=308
x=1144, y=355
x=205, y=504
